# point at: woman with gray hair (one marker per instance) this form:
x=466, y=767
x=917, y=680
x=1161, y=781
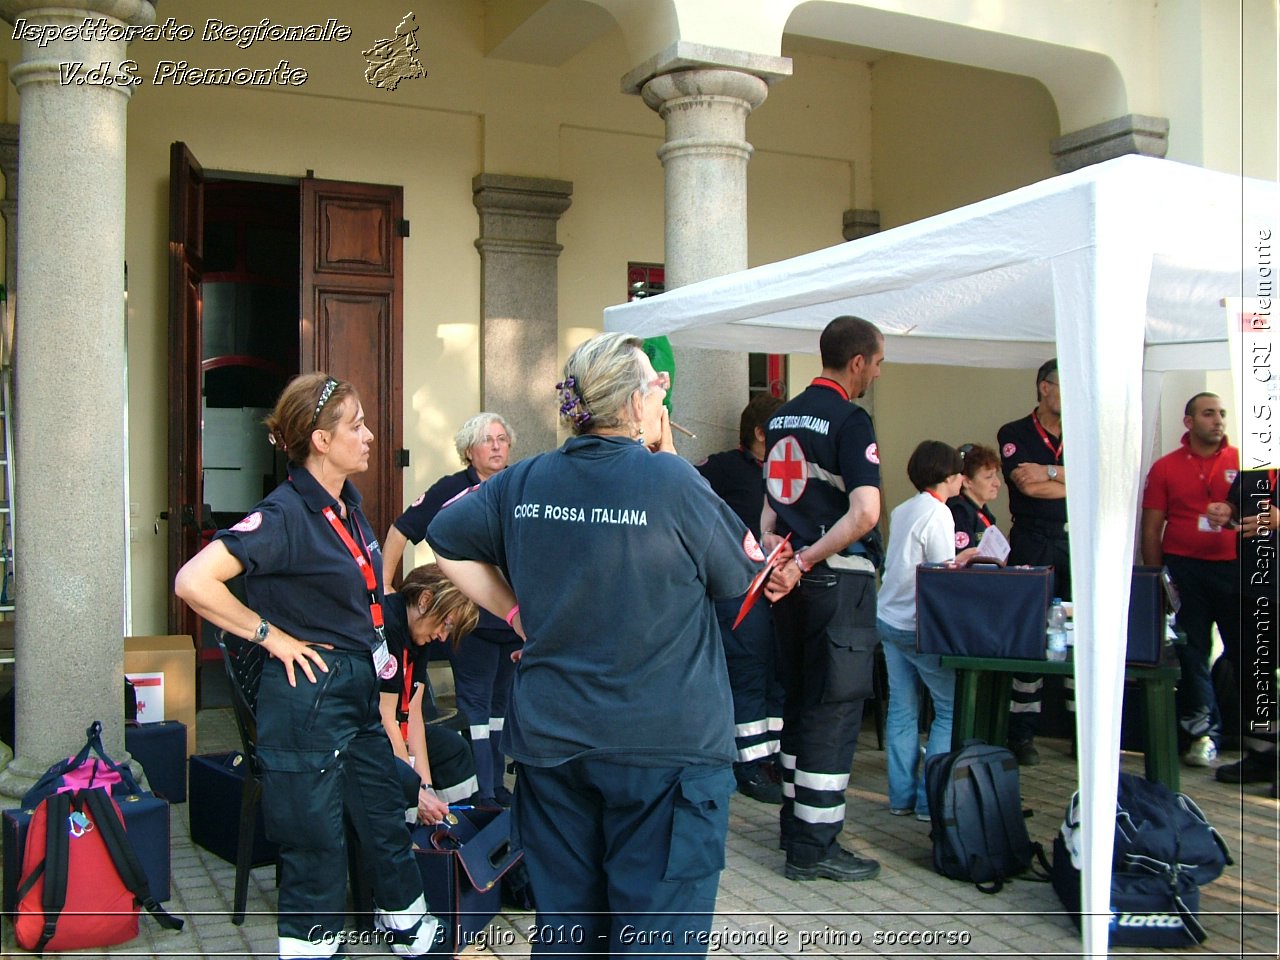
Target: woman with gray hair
x=482, y=666
x=621, y=721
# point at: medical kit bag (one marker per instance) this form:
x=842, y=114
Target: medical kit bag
x=978, y=826
x=1164, y=851
x=462, y=862
x=82, y=883
x=217, y=791
x=161, y=749
x=982, y=610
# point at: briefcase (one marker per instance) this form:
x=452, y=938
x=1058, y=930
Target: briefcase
x=146, y=820
x=462, y=866
x=217, y=784
x=1146, y=616
x=982, y=611
x=161, y=748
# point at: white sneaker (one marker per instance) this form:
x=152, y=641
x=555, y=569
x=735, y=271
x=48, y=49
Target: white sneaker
x=1201, y=753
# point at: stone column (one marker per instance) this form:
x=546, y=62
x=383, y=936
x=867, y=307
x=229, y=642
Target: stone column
x=518, y=303
x=69, y=402
x=704, y=96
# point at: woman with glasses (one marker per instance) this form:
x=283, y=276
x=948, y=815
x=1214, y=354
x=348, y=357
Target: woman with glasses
x=979, y=486
x=435, y=764
x=311, y=573
x=482, y=660
x=621, y=720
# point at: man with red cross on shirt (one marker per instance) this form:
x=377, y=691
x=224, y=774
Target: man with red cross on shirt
x=1178, y=532
x=822, y=481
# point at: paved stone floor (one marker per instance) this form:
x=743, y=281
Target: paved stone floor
x=760, y=914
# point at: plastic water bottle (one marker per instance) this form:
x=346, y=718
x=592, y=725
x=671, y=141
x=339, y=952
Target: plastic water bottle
x=1057, y=630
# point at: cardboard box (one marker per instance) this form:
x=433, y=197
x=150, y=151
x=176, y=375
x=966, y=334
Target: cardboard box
x=175, y=657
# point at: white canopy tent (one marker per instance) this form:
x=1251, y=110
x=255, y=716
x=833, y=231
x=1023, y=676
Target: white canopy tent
x=1122, y=268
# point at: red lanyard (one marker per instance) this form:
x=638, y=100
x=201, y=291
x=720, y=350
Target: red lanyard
x=406, y=694
x=830, y=385
x=983, y=517
x=1044, y=436
x=362, y=560
x=935, y=496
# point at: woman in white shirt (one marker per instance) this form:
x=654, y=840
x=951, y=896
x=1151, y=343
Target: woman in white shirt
x=921, y=530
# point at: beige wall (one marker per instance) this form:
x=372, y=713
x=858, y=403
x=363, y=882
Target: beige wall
x=944, y=136
x=908, y=136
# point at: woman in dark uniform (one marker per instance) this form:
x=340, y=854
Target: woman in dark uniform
x=482, y=661
x=313, y=592
x=435, y=762
x=621, y=720
x=979, y=487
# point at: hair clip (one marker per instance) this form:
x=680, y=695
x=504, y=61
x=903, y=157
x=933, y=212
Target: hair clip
x=329, y=386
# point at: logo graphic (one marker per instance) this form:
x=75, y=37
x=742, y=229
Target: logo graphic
x=751, y=548
x=786, y=471
x=873, y=454
x=395, y=59
x=962, y=540
x=1008, y=450
x=249, y=524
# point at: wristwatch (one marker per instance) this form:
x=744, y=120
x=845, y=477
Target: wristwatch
x=1052, y=472
x=260, y=635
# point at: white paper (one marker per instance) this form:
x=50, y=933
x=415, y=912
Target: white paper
x=149, y=688
x=993, y=544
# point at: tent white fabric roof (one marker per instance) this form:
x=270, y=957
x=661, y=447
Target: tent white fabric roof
x=1122, y=268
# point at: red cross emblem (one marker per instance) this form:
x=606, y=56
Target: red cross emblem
x=786, y=471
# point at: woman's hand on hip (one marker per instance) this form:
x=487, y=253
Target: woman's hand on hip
x=293, y=652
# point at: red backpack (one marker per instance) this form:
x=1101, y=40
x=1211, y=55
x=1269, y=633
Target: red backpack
x=81, y=882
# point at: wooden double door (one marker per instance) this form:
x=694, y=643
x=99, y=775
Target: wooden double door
x=349, y=323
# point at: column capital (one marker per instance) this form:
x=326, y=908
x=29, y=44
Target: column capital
x=1132, y=133
x=683, y=56
x=530, y=196
x=860, y=223
x=694, y=84
x=136, y=12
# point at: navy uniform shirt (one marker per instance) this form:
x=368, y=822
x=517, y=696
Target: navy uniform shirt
x=821, y=446
x=298, y=573
x=615, y=555
x=1020, y=442
x=417, y=517
x=737, y=477
x=971, y=521
x=406, y=653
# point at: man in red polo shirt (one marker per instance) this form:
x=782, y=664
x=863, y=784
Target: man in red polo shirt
x=1201, y=557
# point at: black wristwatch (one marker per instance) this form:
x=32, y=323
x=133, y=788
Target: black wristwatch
x=260, y=635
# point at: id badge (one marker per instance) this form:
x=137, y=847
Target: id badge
x=1205, y=525
x=383, y=663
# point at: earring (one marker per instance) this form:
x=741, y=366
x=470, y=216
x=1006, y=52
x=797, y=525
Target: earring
x=640, y=435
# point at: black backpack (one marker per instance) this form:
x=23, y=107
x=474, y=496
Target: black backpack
x=1164, y=850
x=979, y=829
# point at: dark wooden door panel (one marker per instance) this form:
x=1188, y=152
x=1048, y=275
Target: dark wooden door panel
x=352, y=261
x=185, y=495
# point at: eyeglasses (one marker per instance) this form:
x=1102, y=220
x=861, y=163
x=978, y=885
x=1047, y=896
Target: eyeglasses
x=500, y=440
x=329, y=386
x=663, y=380
x=1052, y=382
